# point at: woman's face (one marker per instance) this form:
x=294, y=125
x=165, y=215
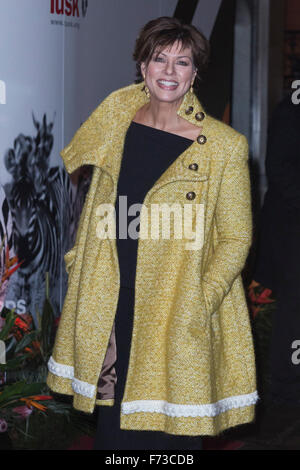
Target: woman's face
x=169, y=74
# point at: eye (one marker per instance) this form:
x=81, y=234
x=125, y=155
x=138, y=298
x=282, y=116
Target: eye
x=158, y=59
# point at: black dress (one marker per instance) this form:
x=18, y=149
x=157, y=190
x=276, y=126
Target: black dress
x=148, y=152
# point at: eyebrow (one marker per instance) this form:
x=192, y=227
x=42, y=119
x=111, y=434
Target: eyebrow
x=178, y=57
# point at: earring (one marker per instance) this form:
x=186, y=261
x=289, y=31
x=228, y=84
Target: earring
x=191, y=88
x=147, y=91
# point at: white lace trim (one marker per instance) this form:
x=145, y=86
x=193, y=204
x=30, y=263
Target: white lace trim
x=83, y=388
x=67, y=372
x=60, y=369
x=172, y=409
x=155, y=406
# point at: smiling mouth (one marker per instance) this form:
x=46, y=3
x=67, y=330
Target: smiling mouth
x=167, y=84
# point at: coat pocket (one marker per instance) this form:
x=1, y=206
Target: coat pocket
x=211, y=298
x=212, y=308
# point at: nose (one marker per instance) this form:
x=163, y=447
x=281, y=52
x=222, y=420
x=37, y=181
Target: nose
x=169, y=67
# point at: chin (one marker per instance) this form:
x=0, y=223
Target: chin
x=168, y=97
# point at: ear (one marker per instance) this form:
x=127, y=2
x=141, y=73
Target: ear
x=193, y=77
x=143, y=69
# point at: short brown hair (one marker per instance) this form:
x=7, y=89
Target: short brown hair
x=163, y=32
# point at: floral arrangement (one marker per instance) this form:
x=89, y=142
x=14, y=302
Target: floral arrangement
x=31, y=416
x=262, y=303
x=8, y=266
x=260, y=298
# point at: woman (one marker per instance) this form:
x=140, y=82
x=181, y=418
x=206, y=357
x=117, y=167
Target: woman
x=175, y=302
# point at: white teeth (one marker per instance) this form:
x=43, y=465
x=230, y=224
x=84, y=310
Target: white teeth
x=167, y=83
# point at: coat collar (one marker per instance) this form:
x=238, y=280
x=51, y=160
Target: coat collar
x=127, y=101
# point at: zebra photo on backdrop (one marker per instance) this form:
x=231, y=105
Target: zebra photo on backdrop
x=44, y=208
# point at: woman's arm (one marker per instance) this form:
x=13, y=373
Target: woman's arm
x=234, y=228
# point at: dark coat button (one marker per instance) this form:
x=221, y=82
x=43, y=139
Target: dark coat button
x=193, y=166
x=200, y=116
x=201, y=139
x=191, y=195
x=189, y=110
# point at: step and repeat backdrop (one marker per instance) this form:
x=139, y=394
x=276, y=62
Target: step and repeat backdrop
x=58, y=61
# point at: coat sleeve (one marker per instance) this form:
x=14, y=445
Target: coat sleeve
x=88, y=143
x=234, y=228
x=81, y=150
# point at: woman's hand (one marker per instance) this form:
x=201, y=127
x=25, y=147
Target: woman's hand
x=211, y=298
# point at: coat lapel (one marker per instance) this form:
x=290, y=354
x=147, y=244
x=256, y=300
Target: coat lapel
x=107, y=150
x=199, y=153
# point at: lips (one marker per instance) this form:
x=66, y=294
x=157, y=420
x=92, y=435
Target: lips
x=167, y=84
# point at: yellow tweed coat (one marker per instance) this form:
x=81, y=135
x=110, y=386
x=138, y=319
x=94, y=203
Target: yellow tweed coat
x=191, y=368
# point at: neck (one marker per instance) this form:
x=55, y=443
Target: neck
x=161, y=115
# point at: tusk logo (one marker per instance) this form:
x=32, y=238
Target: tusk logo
x=84, y=6
x=69, y=7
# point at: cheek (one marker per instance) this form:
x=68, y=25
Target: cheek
x=153, y=70
x=185, y=75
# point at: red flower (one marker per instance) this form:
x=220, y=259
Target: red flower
x=21, y=324
x=9, y=262
x=42, y=397
x=30, y=402
x=264, y=297
x=259, y=294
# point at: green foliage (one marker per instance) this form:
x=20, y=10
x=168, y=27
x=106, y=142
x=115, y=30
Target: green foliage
x=26, y=341
x=55, y=430
x=52, y=423
x=46, y=333
x=14, y=392
x=14, y=363
x=9, y=323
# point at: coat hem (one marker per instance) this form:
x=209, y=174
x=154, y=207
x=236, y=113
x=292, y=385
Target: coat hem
x=60, y=385
x=188, y=426
x=177, y=410
x=67, y=372
x=102, y=402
